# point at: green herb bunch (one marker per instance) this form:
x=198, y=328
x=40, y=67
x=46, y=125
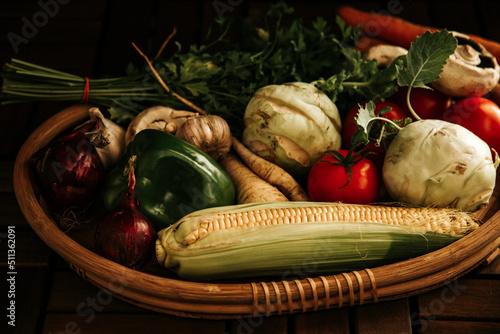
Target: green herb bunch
x=220, y=77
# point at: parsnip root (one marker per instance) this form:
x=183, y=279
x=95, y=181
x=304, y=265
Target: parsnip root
x=250, y=188
x=271, y=173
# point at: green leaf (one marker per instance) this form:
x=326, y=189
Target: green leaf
x=365, y=115
x=320, y=25
x=426, y=58
x=196, y=69
x=197, y=88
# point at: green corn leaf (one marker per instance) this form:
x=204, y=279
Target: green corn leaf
x=303, y=249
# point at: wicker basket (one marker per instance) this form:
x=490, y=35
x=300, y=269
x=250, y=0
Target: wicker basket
x=213, y=300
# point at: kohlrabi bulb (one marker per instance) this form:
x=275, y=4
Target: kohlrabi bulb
x=292, y=125
x=437, y=163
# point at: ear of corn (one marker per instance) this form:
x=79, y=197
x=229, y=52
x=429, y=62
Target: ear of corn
x=304, y=238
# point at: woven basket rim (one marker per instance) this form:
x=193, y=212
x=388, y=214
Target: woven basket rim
x=231, y=300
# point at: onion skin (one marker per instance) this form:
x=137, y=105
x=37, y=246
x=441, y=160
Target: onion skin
x=69, y=172
x=125, y=235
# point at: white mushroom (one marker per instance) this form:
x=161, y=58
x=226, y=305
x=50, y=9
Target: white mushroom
x=384, y=54
x=471, y=70
x=158, y=117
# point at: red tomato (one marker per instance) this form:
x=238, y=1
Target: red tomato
x=427, y=103
x=327, y=182
x=349, y=128
x=479, y=115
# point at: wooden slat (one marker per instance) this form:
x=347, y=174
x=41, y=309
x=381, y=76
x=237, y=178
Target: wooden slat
x=125, y=323
x=71, y=293
x=175, y=14
x=15, y=128
x=11, y=213
x=88, y=9
x=463, y=299
x=386, y=317
x=6, y=170
x=259, y=325
x=60, y=38
x=55, y=31
x=490, y=270
x=127, y=21
x=47, y=109
x=330, y=321
x=469, y=327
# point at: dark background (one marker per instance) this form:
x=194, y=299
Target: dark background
x=93, y=38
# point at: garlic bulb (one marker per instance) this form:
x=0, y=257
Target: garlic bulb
x=109, y=141
x=211, y=134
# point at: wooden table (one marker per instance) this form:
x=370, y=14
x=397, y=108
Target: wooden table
x=93, y=38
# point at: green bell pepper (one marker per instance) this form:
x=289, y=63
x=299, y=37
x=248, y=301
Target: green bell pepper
x=173, y=178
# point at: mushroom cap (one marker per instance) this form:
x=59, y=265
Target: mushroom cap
x=384, y=54
x=470, y=71
x=157, y=117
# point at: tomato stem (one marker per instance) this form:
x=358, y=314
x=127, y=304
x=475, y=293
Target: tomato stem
x=348, y=161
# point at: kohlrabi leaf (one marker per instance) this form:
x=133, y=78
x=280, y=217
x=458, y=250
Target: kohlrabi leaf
x=380, y=133
x=365, y=115
x=425, y=59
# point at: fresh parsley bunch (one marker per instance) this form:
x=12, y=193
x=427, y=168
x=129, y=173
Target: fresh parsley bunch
x=221, y=76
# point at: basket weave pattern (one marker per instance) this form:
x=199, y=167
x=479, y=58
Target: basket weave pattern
x=265, y=298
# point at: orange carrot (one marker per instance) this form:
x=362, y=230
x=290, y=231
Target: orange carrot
x=398, y=31
x=390, y=28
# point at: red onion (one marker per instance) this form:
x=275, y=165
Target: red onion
x=69, y=172
x=125, y=235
